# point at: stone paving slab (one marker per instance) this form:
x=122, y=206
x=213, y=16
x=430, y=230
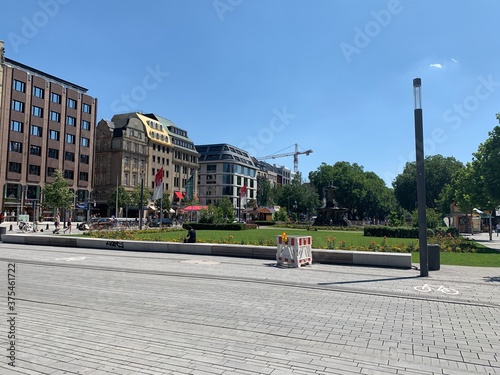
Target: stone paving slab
x=92, y=312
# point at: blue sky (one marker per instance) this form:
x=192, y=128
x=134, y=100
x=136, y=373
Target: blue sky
x=334, y=76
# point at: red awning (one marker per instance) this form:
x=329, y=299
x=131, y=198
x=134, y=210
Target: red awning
x=178, y=194
x=195, y=208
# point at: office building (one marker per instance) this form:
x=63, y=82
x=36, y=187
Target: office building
x=46, y=124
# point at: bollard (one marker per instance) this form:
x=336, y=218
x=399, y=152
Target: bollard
x=10, y=229
x=47, y=227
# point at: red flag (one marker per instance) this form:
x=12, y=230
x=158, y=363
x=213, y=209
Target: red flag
x=158, y=192
x=159, y=177
x=243, y=191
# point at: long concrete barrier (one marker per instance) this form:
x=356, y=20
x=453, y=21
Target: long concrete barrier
x=362, y=258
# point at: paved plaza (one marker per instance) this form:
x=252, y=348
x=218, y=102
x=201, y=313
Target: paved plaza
x=99, y=312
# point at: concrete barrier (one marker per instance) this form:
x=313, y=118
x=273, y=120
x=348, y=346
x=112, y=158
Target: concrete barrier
x=363, y=258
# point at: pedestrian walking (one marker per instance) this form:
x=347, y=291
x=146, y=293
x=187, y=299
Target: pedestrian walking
x=57, y=223
x=68, y=225
x=498, y=228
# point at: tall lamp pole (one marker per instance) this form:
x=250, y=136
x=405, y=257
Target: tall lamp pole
x=141, y=209
x=419, y=148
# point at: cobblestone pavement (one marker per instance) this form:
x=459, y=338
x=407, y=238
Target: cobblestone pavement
x=96, y=312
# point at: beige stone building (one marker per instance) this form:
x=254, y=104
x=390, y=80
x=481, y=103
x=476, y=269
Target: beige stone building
x=131, y=148
x=46, y=124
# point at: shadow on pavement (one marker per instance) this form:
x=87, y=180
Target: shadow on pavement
x=372, y=280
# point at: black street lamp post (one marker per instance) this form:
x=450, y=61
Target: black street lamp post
x=419, y=149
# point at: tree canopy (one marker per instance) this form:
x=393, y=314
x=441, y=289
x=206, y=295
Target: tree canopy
x=364, y=194
x=57, y=194
x=439, y=171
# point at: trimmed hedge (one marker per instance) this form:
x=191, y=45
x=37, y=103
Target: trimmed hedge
x=206, y=226
x=393, y=232
x=263, y=223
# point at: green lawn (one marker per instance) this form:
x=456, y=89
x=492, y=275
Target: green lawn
x=323, y=239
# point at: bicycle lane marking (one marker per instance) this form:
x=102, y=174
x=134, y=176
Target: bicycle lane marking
x=426, y=288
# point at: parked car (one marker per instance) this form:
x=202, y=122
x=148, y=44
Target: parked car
x=165, y=222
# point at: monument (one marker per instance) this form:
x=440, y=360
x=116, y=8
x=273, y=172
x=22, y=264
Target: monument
x=330, y=214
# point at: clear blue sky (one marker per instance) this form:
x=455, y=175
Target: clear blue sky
x=334, y=76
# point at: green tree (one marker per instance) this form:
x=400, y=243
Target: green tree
x=487, y=162
x=297, y=197
x=438, y=172
x=281, y=215
x=57, y=194
x=264, y=197
x=124, y=199
x=164, y=203
x=221, y=213
x=226, y=209
x=432, y=217
x=364, y=194
x=135, y=196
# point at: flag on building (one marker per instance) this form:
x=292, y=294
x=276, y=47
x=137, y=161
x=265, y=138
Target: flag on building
x=158, y=191
x=190, y=188
x=243, y=195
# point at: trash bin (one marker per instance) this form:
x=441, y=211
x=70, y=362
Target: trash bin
x=434, y=257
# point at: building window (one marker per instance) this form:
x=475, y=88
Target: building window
x=54, y=135
x=35, y=150
x=84, y=176
x=70, y=121
x=19, y=86
x=55, y=98
x=15, y=146
x=38, y=92
x=16, y=126
x=126, y=161
x=15, y=167
x=85, y=125
x=127, y=178
x=36, y=111
x=211, y=167
x=55, y=116
x=134, y=162
x=50, y=171
x=134, y=180
x=69, y=156
x=84, y=159
x=85, y=142
x=70, y=138
x=17, y=106
x=68, y=174
x=71, y=103
x=36, y=131
x=34, y=169
x=86, y=108
x=53, y=153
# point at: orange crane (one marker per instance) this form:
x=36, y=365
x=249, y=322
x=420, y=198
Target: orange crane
x=295, y=156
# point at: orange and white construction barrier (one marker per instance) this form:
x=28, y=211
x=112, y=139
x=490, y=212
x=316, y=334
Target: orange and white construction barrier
x=293, y=251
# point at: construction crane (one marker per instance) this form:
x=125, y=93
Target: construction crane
x=294, y=154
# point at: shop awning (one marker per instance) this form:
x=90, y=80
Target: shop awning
x=178, y=194
x=194, y=208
